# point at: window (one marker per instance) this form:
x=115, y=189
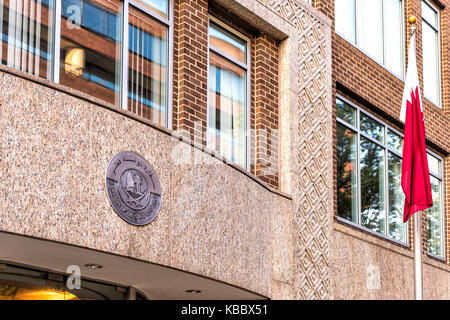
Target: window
x=117, y=51
x=435, y=216
x=92, y=51
x=369, y=166
x=376, y=27
x=148, y=52
x=27, y=41
x=228, y=95
x=90, y=48
x=431, y=53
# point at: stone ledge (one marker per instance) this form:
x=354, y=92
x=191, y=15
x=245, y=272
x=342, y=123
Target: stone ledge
x=126, y=113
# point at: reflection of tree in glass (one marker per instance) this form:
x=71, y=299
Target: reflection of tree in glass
x=372, y=128
x=346, y=177
x=372, y=186
x=396, y=198
x=434, y=221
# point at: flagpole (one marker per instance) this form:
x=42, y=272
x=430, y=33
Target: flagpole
x=418, y=274
x=418, y=283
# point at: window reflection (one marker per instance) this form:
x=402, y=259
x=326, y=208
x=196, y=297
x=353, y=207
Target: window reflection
x=372, y=186
x=394, y=141
x=347, y=199
x=160, y=7
x=227, y=109
x=372, y=128
x=227, y=95
x=346, y=112
x=27, y=35
x=397, y=229
x=434, y=220
x=375, y=26
x=431, y=54
x=372, y=175
x=227, y=43
x=369, y=20
x=90, y=48
x=147, y=67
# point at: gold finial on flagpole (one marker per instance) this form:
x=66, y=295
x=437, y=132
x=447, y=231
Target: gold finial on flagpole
x=412, y=21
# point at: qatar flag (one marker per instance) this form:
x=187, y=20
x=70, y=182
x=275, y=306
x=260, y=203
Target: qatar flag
x=415, y=173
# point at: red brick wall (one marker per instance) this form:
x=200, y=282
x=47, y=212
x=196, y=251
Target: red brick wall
x=372, y=87
x=190, y=82
x=190, y=67
x=265, y=109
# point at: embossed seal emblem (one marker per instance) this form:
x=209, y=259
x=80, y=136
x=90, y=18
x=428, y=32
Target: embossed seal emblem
x=133, y=188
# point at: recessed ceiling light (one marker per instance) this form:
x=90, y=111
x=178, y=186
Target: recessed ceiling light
x=93, y=266
x=194, y=291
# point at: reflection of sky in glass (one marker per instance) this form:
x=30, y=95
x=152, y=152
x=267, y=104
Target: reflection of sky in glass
x=215, y=33
x=369, y=25
x=429, y=14
x=431, y=85
x=434, y=220
x=345, y=18
x=372, y=128
x=347, y=201
x=395, y=141
x=160, y=5
x=434, y=165
x=397, y=229
x=372, y=186
x=346, y=112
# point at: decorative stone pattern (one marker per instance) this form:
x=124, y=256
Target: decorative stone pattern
x=312, y=167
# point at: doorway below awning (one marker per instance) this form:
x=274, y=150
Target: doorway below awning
x=150, y=280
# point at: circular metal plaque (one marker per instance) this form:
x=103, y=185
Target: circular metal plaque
x=133, y=188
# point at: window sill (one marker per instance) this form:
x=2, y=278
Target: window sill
x=368, y=56
x=375, y=235
x=436, y=258
x=433, y=103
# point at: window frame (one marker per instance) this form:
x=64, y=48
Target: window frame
x=353, y=42
x=436, y=175
x=167, y=22
x=386, y=149
x=439, y=56
x=247, y=66
x=439, y=176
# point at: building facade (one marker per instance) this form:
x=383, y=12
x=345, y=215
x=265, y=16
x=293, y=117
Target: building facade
x=270, y=126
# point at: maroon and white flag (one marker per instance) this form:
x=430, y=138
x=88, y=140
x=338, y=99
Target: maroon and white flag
x=415, y=173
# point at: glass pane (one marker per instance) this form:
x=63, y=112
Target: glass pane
x=90, y=48
x=429, y=14
x=227, y=121
x=434, y=220
x=27, y=35
x=393, y=36
x=371, y=127
x=372, y=186
x=160, y=7
x=394, y=141
x=347, y=198
x=227, y=43
x=370, y=28
x=345, y=18
x=147, y=67
x=397, y=229
x=431, y=85
x=434, y=164
x=346, y=112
